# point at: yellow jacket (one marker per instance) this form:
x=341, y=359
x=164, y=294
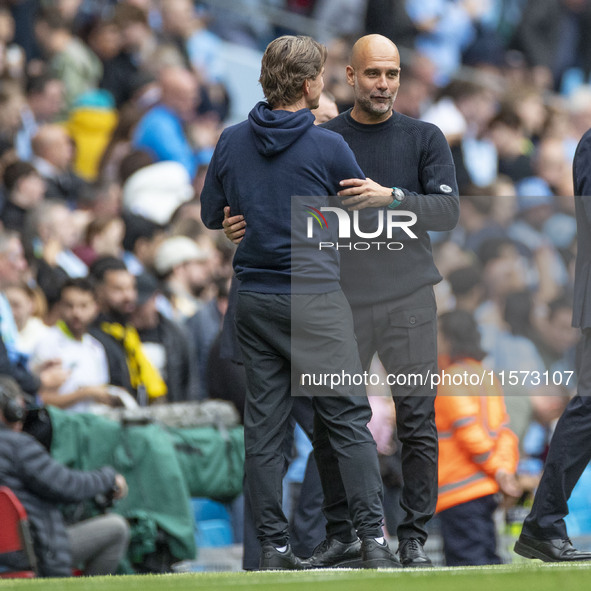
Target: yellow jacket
x=91, y=130
x=474, y=440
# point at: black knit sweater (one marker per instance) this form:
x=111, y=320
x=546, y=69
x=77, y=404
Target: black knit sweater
x=415, y=157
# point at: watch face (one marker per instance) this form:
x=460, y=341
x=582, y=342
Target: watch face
x=399, y=194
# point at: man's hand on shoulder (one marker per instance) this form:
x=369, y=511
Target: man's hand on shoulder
x=234, y=226
x=362, y=193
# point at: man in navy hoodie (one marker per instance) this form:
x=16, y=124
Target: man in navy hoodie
x=291, y=315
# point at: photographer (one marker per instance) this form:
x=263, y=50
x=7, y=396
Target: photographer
x=41, y=484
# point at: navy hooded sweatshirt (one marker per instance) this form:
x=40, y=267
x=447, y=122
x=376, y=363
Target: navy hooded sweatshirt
x=276, y=169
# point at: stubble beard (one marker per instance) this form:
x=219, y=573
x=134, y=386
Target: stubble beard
x=376, y=110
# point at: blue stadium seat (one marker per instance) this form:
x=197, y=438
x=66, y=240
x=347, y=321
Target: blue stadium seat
x=213, y=525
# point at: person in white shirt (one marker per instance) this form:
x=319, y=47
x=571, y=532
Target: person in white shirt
x=80, y=353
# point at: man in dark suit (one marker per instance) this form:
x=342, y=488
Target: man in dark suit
x=544, y=531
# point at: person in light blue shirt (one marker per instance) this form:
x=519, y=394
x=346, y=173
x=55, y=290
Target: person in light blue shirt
x=445, y=29
x=164, y=130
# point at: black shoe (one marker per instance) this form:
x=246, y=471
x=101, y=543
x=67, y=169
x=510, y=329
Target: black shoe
x=376, y=555
x=556, y=550
x=272, y=559
x=412, y=554
x=335, y=554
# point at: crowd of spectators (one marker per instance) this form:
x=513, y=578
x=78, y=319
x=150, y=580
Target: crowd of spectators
x=109, y=114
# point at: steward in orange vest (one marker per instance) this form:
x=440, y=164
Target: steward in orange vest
x=478, y=453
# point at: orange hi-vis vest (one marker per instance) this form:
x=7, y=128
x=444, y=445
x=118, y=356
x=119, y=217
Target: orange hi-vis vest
x=474, y=440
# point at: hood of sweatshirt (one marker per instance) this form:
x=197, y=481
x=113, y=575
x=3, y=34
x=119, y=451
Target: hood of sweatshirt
x=275, y=131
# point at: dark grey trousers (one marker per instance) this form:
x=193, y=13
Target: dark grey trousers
x=282, y=336
x=308, y=526
x=403, y=332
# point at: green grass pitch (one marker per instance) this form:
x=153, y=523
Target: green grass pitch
x=526, y=577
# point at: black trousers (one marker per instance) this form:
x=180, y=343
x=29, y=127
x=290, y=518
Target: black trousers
x=404, y=335
x=282, y=336
x=308, y=526
x=568, y=456
x=469, y=535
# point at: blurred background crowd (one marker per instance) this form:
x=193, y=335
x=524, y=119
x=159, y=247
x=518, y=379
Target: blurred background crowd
x=109, y=114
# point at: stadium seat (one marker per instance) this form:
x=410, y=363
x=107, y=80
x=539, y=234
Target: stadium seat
x=578, y=520
x=16, y=545
x=206, y=509
x=213, y=526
